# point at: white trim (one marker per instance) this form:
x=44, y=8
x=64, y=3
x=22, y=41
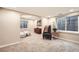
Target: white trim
x=2, y=46
x=65, y=23
x=78, y=23
x=71, y=32
x=68, y=40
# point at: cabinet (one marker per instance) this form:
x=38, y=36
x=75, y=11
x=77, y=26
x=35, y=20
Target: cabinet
x=38, y=30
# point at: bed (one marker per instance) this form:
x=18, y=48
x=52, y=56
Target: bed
x=24, y=33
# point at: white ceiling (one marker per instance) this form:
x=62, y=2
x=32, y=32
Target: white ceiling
x=45, y=11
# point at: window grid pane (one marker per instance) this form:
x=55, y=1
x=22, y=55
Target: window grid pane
x=68, y=23
x=23, y=24
x=72, y=23
x=61, y=23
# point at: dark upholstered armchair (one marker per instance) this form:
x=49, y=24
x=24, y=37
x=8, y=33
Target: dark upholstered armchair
x=47, y=33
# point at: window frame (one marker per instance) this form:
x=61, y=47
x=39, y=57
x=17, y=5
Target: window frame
x=67, y=31
x=24, y=20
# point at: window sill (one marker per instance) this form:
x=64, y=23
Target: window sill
x=70, y=32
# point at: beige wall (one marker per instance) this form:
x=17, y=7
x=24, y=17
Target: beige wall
x=9, y=26
x=30, y=25
x=35, y=23
x=70, y=36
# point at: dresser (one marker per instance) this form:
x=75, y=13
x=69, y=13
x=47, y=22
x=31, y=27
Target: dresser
x=38, y=30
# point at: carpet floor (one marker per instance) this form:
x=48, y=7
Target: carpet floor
x=35, y=43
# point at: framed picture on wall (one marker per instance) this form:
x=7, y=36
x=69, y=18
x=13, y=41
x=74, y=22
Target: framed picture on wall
x=39, y=23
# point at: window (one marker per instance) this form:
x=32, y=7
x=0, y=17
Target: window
x=61, y=23
x=23, y=24
x=72, y=23
x=69, y=23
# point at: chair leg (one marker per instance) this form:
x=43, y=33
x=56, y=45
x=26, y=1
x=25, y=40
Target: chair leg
x=43, y=37
x=50, y=37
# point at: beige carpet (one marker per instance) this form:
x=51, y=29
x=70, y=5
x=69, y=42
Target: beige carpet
x=35, y=43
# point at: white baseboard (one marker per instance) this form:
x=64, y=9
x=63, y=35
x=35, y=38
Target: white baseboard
x=68, y=40
x=2, y=46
